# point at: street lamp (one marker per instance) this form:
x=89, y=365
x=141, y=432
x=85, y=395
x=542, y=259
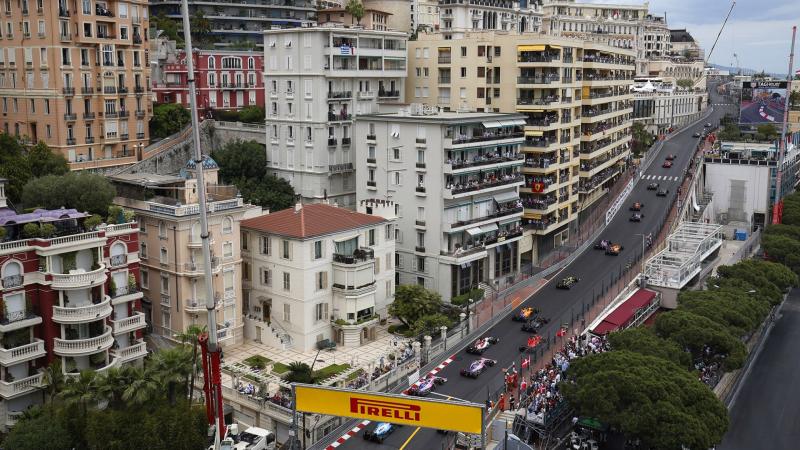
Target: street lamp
x=642, y=278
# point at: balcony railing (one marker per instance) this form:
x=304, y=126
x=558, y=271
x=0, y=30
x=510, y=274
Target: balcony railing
x=134, y=322
x=371, y=137
x=484, y=138
x=68, y=91
x=78, y=280
x=459, y=189
x=125, y=290
x=485, y=161
x=88, y=116
x=90, y=139
x=339, y=117
x=420, y=189
x=340, y=95
x=138, y=89
x=332, y=142
x=79, y=347
x=537, y=80
x=70, y=141
x=87, y=90
x=388, y=94
x=12, y=281
x=135, y=351
x=358, y=256
x=118, y=260
x=18, y=387
x=70, y=117
x=123, y=113
x=62, y=314
x=346, y=141
x=139, y=135
x=495, y=215
x=340, y=168
x=9, y=356
x=139, y=113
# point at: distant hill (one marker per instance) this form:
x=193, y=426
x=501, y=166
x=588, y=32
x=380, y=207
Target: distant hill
x=745, y=70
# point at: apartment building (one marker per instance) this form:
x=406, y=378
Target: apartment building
x=318, y=81
x=242, y=20
x=656, y=38
x=373, y=18
x=319, y=274
x=425, y=15
x=659, y=104
x=172, y=267
x=459, y=17
x=577, y=106
x=74, y=74
x=70, y=296
x=684, y=44
x=224, y=79
x=454, y=178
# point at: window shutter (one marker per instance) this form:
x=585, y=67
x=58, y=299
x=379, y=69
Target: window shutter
x=377, y=265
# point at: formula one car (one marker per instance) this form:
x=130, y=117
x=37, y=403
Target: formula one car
x=662, y=192
x=534, y=324
x=614, y=249
x=381, y=431
x=708, y=124
x=477, y=367
x=636, y=207
x=426, y=385
x=696, y=134
x=524, y=314
x=601, y=245
x=567, y=283
x=482, y=344
x=667, y=164
x=652, y=186
x=671, y=157
x=636, y=217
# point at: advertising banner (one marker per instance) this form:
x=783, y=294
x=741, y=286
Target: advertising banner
x=762, y=102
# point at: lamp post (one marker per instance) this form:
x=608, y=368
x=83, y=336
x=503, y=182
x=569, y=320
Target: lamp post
x=642, y=278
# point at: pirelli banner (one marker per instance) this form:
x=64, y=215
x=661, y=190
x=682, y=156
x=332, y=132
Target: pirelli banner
x=399, y=409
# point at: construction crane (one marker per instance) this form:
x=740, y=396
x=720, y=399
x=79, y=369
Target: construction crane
x=708, y=57
x=210, y=350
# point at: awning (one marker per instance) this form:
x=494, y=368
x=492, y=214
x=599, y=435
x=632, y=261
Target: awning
x=474, y=231
x=492, y=124
x=556, y=47
x=534, y=133
x=444, y=48
x=536, y=216
x=518, y=122
x=527, y=109
x=506, y=197
x=511, y=220
x=530, y=48
x=489, y=228
x=507, y=123
x=346, y=238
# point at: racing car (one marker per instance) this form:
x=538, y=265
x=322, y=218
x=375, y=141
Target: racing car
x=381, y=431
x=567, y=283
x=614, y=249
x=524, y=314
x=667, y=164
x=696, y=134
x=482, y=344
x=652, y=186
x=636, y=207
x=601, y=245
x=662, y=192
x=426, y=385
x=708, y=124
x=534, y=324
x=477, y=367
x=671, y=157
x=636, y=217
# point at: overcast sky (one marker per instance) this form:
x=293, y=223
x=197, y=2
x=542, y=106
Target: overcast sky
x=758, y=31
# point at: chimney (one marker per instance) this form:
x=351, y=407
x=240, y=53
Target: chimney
x=297, y=207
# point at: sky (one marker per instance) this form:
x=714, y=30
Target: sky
x=758, y=31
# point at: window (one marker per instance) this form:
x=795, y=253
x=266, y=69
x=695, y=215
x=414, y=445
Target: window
x=145, y=279
x=285, y=249
x=227, y=250
x=317, y=249
x=244, y=241
x=266, y=277
x=463, y=72
x=164, y=284
x=420, y=264
x=322, y=280
x=265, y=245
x=321, y=312
x=287, y=312
x=397, y=179
x=389, y=233
x=163, y=257
x=227, y=225
x=162, y=230
x=371, y=237
x=463, y=52
x=420, y=239
x=396, y=153
x=287, y=284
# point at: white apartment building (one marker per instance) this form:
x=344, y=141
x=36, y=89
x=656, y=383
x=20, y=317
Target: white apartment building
x=458, y=17
x=454, y=178
x=317, y=81
x=319, y=273
x=659, y=104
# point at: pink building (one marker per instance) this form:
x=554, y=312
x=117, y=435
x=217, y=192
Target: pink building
x=226, y=79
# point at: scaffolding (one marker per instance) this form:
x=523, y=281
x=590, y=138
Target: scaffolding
x=686, y=248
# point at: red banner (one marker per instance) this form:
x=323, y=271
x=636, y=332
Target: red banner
x=537, y=186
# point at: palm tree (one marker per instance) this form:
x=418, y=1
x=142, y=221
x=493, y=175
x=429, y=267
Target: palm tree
x=172, y=367
x=145, y=386
x=81, y=390
x=192, y=334
x=299, y=372
x=355, y=9
x=54, y=380
x=113, y=384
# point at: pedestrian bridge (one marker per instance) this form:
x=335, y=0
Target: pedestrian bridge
x=686, y=248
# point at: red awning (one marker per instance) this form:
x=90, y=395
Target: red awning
x=624, y=312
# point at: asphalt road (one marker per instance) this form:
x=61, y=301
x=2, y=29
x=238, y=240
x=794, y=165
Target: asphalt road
x=766, y=413
x=595, y=271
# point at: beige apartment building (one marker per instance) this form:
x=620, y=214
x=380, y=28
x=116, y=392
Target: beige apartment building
x=74, y=74
x=576, y=100
x=171, y=253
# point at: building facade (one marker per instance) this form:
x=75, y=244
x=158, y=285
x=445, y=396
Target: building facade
x=225, y=79
x=577, y=105
x=660, y=105
x=71, y=297
x=455, y=180
x=243, y=20
x=319, y=273
x=166, y=208
x=75, y=75
x=318, y=80
x=458, y=18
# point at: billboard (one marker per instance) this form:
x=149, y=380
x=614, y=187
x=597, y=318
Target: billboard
x=398, y=409
x=762, y=102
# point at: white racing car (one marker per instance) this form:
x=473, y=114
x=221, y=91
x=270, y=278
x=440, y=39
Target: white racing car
x=482, y=344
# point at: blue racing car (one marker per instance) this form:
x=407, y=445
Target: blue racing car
x=381, y=431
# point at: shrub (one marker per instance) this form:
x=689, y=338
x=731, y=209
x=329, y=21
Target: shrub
x=463, y=299
x=257, y=362
x=47, y=230
x=31, y=230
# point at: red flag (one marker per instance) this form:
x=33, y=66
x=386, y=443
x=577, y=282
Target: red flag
x=526, y=362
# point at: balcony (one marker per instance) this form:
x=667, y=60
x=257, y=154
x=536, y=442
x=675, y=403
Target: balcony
x=125, y=294
x=366, y=95
x=109, y=89
x=490, y=216
x=130, y=353
x=90, y=139
x=372, y=183
x=63, y=12
x=139, y=135
x=123, y=113
x=128, y=324
x=340, y=168
x=139, y=114
x=339, y=117
x=12, y=281
x=541, y=101
x=21, y=387
x=457, y=165
x=420, y=189
x=70, y=141
x=389, y=94
x=70, y=117
x=332, y=142
x=359, y=256
x=124, y=136
x=68, y=91
x=88, y=116
x=419, y=165
x=66, y=314
x=444, y=59
x=488, y=137
x=199, y=269
x=79, y=280
x=22, y=353
x=340, y=95
x=137, y=39
x=371, y=137
x=138, y=89
x=87, y=90
x=83, y=347
x=118, y=260
x=346, y=141
x=122, y=90
x=458, y=190
x=547, y=79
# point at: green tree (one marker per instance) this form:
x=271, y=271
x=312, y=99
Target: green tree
x=642, y=139
x=168, y=26
x=734, y=309
x=39, y=433
x=648, y=398
x=782, y=249
x=413, y=302
x=168, y=119
x=80, y=190
x=685, y=83
x=252, y=114
x=356, y=9
x=174, y=366
x=694, y=332
x=430, y=324
x=81, y=391
x=794, y=99
x=768, y=130
x=145, y=387
x=42, y=161
x=299, y=372
x=730, y=132
x=644, y=340
x=54, y=380
x=113, y=384
x=201, y=27
x=192, y=336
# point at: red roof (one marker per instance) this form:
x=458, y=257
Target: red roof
x=316, y=219
x=623, y=313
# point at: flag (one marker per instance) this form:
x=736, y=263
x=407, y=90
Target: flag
x=526, y=362
x=561, y=331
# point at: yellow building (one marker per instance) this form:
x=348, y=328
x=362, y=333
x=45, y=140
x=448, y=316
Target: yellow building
x=75, y=75
x=575, y=95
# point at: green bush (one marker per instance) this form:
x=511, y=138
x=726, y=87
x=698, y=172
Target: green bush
x=31, y=230
x=252, y=114
x=463, y=299
x=92, y=222
x=114, y=214
x=257, y=362
x=3, y=233
x=47, y=230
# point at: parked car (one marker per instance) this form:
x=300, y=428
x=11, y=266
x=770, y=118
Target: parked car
x=482, y=344
x=477, y=367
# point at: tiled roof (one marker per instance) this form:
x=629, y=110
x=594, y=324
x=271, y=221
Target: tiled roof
x=312, y=220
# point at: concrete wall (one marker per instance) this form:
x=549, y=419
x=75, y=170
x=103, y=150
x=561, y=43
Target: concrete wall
x=721, y=177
